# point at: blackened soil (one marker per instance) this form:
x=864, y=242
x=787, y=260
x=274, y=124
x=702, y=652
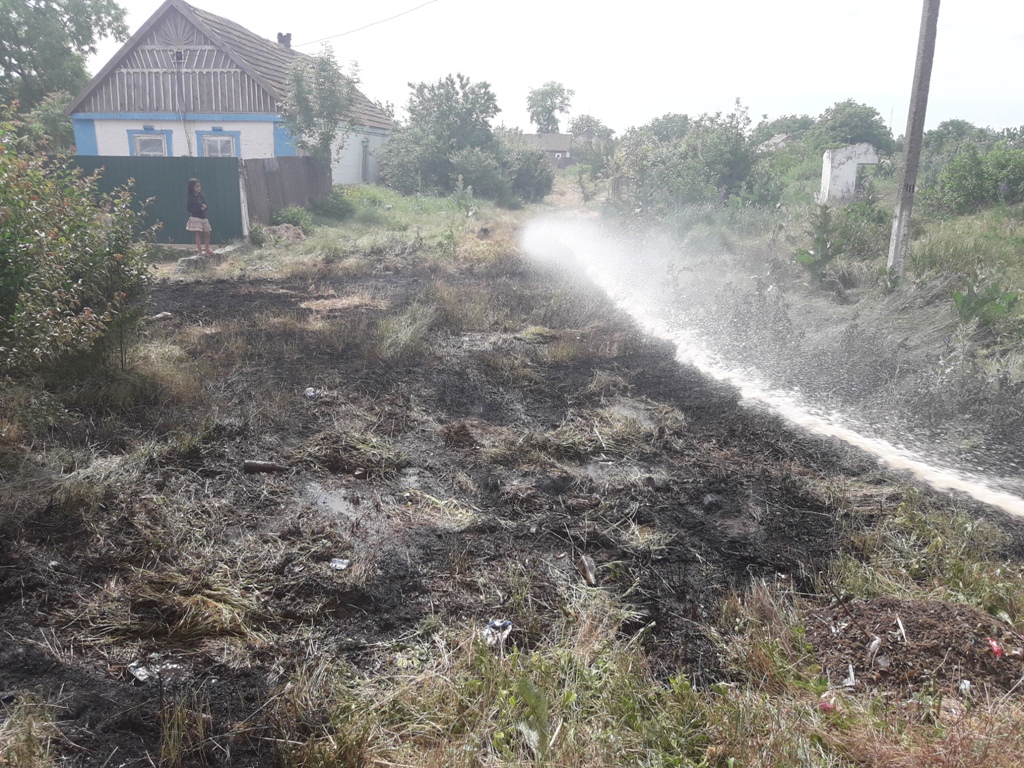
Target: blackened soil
x=452, y=476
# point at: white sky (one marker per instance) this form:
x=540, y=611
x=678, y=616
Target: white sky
x=631, y=62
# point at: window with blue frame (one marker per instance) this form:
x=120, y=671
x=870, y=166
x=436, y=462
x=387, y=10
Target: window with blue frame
x=218, y=143
x=149, y=142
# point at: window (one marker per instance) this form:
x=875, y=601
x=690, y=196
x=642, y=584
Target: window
x=218, y=146
x=150, y=142
x=150, y=145
x=218, y=143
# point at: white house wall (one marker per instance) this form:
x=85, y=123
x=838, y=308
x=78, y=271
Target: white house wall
x=839, y=171
x=348, y=169
x=256, y=138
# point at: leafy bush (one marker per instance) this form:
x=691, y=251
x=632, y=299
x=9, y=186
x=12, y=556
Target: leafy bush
x=296, y=216
x=984, y=300
x=448, y=137
x=675, y=161
x=975, y=180
x=825, y=246
x=529, y=175
x=257, y=235
x=863, y=228
x=475, y=168
x=847, y=122
x=71, y=273
x=336, y=205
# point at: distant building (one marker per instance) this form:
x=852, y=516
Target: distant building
x=839, y=171
x=190, y=83
x=778, y=141
x=556, y=146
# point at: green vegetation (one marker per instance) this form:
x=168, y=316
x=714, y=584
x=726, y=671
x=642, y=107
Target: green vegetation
x=546, y=103
x=447, y=145
x=43, y=45
x=319, y=104
x=295, y=215
x=72, y=272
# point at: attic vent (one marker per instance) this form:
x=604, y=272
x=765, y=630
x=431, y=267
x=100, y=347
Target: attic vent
x=177, y=33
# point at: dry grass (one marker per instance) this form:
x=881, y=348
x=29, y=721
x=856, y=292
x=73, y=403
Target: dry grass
x=27, y=733
x=176, y=607
x=404, y=336
x=184, y=722
x=343, y=450
x=623, y=430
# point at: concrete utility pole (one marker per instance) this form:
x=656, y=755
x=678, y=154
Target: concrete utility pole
x=912, y=139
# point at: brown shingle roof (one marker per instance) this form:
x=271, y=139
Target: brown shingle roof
x=272, y=61
x=550, y=142
x=268, y=62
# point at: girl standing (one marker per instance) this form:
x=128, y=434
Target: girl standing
x=197, y=218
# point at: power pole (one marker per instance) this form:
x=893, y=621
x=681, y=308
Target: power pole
x=912, y=139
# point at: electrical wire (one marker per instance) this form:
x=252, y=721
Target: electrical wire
x=360, y=29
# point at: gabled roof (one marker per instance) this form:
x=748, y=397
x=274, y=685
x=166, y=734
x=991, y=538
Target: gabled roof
x=265, y=61
x=550, y=142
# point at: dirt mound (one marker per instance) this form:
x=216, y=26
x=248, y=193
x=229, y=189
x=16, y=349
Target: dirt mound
x=907, y=647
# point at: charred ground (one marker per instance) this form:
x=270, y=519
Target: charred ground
x=455, y=440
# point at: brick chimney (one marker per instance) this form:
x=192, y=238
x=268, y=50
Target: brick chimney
x=285, y=40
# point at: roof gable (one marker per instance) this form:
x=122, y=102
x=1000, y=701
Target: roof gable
x=228, y=66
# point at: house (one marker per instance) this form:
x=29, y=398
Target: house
x=776, y=142
x=190, y=83
x=557, y=147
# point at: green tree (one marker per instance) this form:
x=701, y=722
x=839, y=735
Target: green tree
x=72, y=270
x=669, y=127
x=444, y=118
x=796, y=125
x=943, y=144
x=847, y=122
x=48, y=127
x=593, y=147
x=974, y=180
x=447, y=144
x=43, y=45
x=317, y=108
x=676, y=160
x=530, y=175
x=546, y=103
x=581, y=124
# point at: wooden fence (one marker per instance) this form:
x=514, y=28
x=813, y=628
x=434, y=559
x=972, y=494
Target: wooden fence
x=274, y=183
x=239, y=192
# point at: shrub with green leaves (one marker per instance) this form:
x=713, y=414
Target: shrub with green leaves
x=825, y=245
x=257, y=235
x=975, y=180
x=335, y=205
x=72, y=269
x=296, y=216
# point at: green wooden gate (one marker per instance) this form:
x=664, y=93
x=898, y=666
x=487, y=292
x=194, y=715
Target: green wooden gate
x=165, y=180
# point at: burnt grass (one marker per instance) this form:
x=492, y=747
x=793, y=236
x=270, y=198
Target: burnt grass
x=462, y=480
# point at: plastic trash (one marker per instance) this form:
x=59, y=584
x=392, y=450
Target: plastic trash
x=851, y=679
x=340, y=564
x=588, y=570
x=997, y=649
x=156, y=670
x=497, y=631
x=312, y=393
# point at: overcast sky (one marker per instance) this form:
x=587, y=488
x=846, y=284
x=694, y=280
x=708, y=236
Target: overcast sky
x=634, y=61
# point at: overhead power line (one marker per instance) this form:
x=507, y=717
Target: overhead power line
x=367, y=26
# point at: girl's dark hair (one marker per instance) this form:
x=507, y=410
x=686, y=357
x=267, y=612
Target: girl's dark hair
x=192, y=187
